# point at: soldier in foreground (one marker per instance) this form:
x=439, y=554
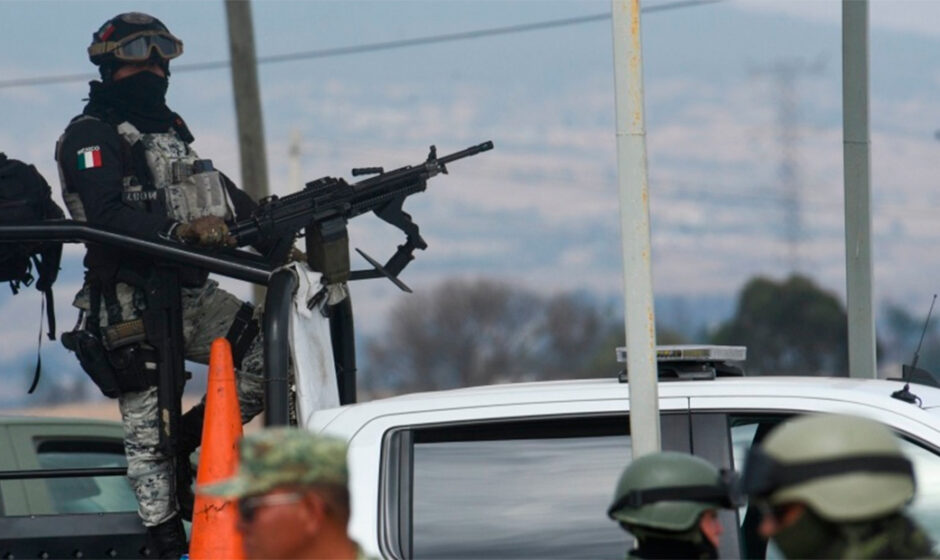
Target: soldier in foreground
x=834, y=486
x=669, y=502
x=126, y=163
x=293, y=498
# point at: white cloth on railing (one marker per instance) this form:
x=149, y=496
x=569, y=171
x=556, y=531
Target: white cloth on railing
x=311, y=349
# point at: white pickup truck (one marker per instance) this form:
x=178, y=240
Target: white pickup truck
x=528, y=470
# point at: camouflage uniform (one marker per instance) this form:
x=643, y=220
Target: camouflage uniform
x=895, y=536
x=285, y=458
x=207, y=315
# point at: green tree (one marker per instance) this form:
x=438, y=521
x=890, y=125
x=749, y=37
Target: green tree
x=791, y=327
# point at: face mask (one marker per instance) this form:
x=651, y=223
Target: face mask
x=688, y=544
x=807, y=537
x=143, y=90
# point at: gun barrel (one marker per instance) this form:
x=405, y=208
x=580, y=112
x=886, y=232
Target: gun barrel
x=243, y=233
x=471, y=151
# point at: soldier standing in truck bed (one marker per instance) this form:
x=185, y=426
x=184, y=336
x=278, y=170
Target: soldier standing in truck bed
x=127, y=163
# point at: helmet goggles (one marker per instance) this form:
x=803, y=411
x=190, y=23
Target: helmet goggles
x=722, y=494
x=763, y=475
x=139, y=47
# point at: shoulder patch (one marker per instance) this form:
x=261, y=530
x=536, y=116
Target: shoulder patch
x=89, y=157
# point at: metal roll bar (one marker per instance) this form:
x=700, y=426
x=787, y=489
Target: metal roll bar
x=226, y=262
x=234, y=264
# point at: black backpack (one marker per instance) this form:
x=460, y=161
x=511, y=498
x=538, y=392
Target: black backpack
x=25, y=197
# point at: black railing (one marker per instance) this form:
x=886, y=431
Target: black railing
x=233, y=264
x=62, y=473
x=277, y=308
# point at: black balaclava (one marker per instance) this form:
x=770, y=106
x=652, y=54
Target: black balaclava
x=139, y=98
x=667, y=548
x=690, y=543
x=810, y=536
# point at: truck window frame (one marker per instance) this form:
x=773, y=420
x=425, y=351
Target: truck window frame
x=395, y=531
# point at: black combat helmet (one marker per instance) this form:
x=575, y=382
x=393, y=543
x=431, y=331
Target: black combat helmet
x=132, y=38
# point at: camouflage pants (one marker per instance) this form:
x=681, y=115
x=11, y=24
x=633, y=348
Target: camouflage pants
x=208, y=312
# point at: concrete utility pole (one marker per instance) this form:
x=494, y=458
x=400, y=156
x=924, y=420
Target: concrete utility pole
x=639, y=319
x=857, y=162
x=251, y=148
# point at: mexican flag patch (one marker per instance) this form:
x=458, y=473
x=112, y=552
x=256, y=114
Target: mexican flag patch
x=89, y=158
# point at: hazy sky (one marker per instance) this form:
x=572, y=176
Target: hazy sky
x=542, y=208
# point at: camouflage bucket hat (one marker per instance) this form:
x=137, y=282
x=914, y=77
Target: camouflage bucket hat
x=283, y=457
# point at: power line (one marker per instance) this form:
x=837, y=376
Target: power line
x=373, y=47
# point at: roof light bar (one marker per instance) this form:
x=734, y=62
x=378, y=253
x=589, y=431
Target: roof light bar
x=693, y=353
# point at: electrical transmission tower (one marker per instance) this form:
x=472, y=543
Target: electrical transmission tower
x=294, y=180
x=785, y=76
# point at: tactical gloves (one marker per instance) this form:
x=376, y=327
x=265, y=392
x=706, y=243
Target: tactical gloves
x=208, y=231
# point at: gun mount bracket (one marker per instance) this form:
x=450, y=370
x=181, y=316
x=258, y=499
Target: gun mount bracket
x=378, y=270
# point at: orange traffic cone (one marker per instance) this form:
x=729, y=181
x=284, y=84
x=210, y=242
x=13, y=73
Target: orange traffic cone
x=215, y=533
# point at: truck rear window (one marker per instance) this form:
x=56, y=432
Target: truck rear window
x=94, y=494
